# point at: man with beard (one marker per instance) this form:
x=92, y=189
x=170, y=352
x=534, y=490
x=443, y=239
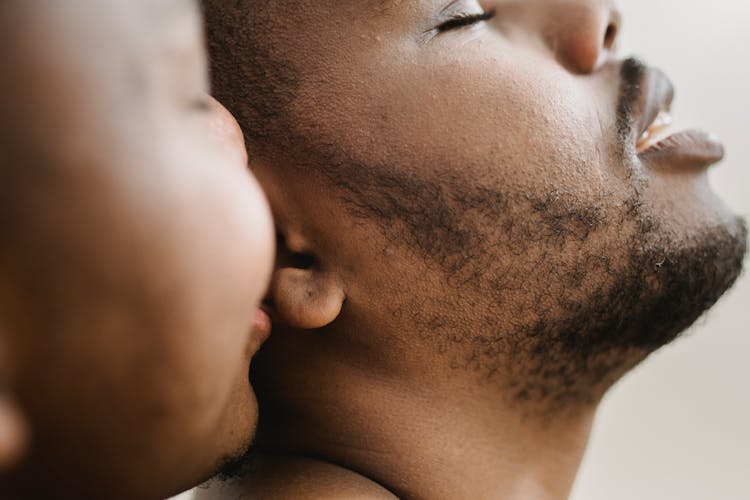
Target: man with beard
x=484, y=221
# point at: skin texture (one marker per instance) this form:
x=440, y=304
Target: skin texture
x=465, y=212
x=135, y=250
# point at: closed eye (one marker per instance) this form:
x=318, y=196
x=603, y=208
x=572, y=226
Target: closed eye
x=464, y=20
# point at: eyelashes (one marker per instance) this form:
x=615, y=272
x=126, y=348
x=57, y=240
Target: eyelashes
x=464, y=20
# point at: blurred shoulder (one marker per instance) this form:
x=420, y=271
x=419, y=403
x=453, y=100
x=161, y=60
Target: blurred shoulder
x=295, y=478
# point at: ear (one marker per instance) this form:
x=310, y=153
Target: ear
x=304, y=294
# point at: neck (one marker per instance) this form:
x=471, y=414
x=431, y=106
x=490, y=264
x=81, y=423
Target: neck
x=430, y=438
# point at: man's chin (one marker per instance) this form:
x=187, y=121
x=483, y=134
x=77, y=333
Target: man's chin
x=660, y=291
x=682, y=284
x=678, y=286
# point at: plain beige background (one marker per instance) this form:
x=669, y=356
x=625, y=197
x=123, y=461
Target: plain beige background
x=678, y=427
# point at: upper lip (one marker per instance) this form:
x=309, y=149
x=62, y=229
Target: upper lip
x=656, y=96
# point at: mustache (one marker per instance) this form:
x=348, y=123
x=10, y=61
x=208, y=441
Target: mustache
x=632, y=74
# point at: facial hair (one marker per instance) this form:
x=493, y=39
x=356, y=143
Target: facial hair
x=549, y=296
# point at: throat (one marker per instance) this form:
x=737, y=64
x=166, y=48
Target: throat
x=422, y=445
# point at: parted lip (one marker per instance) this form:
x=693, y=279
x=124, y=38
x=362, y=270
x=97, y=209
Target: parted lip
x=656, y=96
x=661, y=148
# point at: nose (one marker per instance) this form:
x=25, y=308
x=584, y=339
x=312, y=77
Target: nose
x=583, y=33
x=226, y=132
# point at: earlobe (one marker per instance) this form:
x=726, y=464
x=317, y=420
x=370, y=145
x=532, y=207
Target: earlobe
x=306, y=298
x=306, y=291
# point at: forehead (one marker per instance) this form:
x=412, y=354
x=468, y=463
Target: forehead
x=168, y=13
x=136, y=22
x=151, y=29
x=102, y=25
x=161, y=15
x=166, y=9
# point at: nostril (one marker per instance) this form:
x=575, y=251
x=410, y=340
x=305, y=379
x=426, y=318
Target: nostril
x=610, y=35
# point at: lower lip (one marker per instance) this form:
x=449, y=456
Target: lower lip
x=692, y=149
x=261, y=325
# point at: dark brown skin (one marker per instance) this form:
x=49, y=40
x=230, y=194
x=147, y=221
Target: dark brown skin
x=466, y=213
x=135, y=250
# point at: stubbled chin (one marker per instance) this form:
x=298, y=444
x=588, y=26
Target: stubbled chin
x=657, y=291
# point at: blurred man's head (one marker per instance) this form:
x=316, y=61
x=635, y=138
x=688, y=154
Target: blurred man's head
x=470, y=189
x=134, y=254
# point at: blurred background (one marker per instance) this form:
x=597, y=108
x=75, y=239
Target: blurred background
x=678, y=427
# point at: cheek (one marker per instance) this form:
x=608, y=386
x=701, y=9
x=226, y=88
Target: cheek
x=212, y=362
x=189, y=377
x=208, y=404
x=501, y=111
x=472, y=111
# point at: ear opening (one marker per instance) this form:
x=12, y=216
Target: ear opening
x=303, y=294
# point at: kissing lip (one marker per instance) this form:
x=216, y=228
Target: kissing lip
x=259, y=332
x=261, y=325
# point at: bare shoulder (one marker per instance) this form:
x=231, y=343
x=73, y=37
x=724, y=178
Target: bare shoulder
x=296, y=478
